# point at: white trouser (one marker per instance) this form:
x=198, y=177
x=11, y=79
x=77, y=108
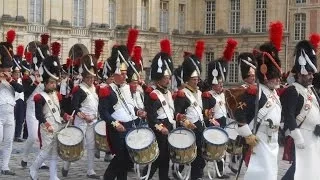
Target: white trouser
x=32, y=124
x=7, y=126
x=89, y=144
x=48, y=152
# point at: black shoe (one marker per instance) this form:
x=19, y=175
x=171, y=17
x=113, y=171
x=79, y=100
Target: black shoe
x=97, y=154
x=64, y=172
x=8, y=172
x=24, y=164
x=235, y=171
x=223, y=176
x=93, y=176
x=16, y=139
x=44, y=167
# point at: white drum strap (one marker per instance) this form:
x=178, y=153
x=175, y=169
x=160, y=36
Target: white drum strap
x=52, y=106
x=166, y=106
x=87, y=91
x=194, y=103
x=122, y=100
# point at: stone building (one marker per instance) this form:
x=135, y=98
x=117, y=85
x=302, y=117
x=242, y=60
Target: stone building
x=77, y=23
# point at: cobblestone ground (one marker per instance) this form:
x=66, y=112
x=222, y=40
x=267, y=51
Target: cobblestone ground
x=78, y=169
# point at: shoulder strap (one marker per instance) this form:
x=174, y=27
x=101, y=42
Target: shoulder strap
x=52, y=106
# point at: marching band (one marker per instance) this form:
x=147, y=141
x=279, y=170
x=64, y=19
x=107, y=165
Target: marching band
x=88, y=105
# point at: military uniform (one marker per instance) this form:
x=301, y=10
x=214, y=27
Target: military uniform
x=301, y=112
x=8, y=87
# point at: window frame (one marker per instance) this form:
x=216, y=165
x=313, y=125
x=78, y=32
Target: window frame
x=300, y=23
x=234, y=26
x=33, y=11
x=261, y=16
x=210, y=17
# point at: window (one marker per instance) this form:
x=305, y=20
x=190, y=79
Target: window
x=233, y=70
x=182, y=16
x=299, y=26
x=300, y=1
x=210, y=17
x=164, y=16
x=261, y=15
x=209, y=58
x=112, y=14
x=144, y=14
x=35, y=11
x=235, y=16
x=79, y=13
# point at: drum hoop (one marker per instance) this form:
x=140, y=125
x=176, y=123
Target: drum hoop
x=71, y=126
x=134, y=129
x=182, y=128
x=218, y=128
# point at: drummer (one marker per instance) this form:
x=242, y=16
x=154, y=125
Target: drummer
x=160, y=108
x=117, y=108
x=47, y=111
x=188, y=106
x=85, y=104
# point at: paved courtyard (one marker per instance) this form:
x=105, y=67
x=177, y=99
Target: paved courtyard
x=78, y=169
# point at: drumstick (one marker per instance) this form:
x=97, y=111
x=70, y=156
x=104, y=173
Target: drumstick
x=69, y=120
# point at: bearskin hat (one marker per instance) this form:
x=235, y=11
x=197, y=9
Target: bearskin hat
x=247, y=64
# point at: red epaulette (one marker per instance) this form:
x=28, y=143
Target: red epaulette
x=75, y=89
x=252, y=90
x=153, y=96
x=206, y=94
x=174, y=95
x=104, y=91
x=181, y=94
x=37, y=97
x=149, y=89
x=280, y=91
x=59, y=96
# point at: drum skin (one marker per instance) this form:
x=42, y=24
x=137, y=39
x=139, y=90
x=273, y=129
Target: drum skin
x=183, y=155
x=100, y=137
x=211, y=151
x=71, y=153
x=145, y=155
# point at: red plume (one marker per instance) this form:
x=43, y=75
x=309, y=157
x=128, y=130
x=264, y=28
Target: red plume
x=28, y=56
x=199, y=49
x=100, y=65
x=99, y=43
x=69, y=62
x=229, y=49
x=314, y=40
x=275, y=33
x=11, y=35
x=20, y=50
x=55, y=48
x=44, y=39
x=132, y=39
x=137, y=55
x=165, y=46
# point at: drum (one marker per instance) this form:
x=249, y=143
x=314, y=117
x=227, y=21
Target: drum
x=182, y=146
x=235, y=141
x=214, y=144
x=100, y=138
x=70, y=143
x=233, y=97
x=142, y=145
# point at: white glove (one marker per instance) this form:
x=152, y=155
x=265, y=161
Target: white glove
x=298, y=139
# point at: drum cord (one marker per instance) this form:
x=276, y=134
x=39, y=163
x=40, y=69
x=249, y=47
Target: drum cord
x=137, y=171
x=186, y=176
x=216, y=169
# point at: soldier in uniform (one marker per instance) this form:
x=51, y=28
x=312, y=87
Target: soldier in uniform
x=48, y=113
x=8, y=87
x=65, y=86
x=160, y=108
x=117, y=108
x=247, y=65
x=300, y=106
x=85, y=103
x=188, y=106
x=264, y=102
x=20, y=108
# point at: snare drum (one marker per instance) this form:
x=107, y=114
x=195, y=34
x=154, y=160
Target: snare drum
x=70, y=143
x=142, y=145
x=182, y=146
x=214, y=144
x=235, y=142
x=100, y=138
